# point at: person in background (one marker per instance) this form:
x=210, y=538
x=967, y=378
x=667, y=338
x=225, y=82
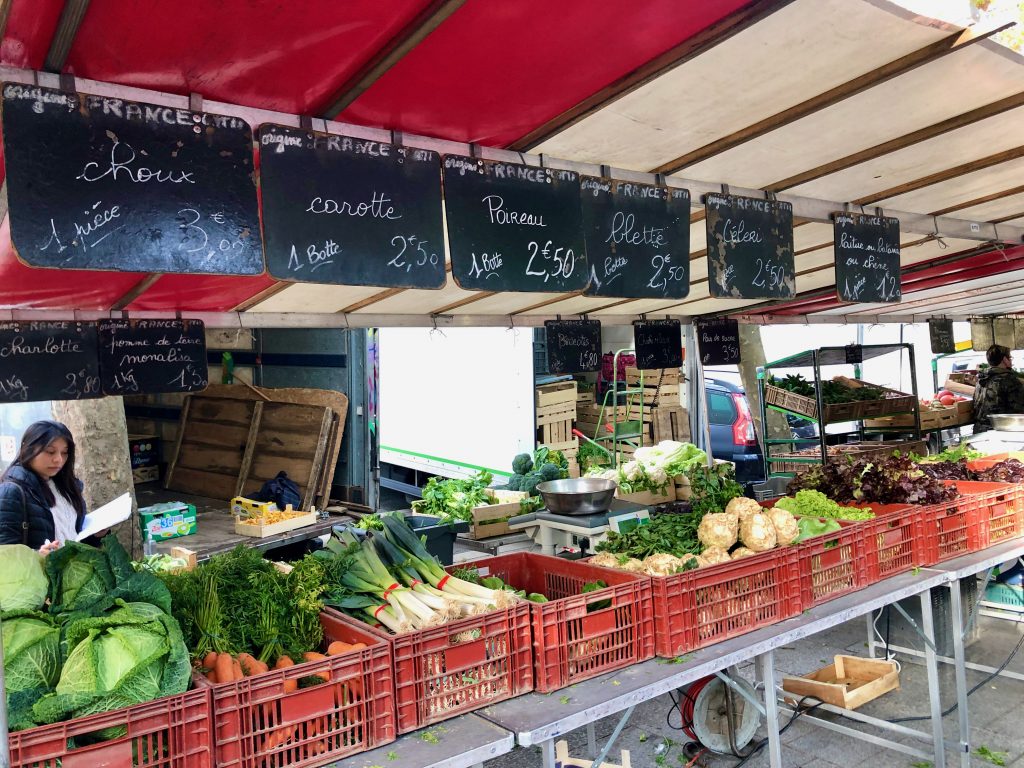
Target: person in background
x=41, y=502
x=999, y=389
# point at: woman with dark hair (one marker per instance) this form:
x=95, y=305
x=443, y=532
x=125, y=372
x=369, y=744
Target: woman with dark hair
x=41, y=503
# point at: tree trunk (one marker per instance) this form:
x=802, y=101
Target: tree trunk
x=752, y=356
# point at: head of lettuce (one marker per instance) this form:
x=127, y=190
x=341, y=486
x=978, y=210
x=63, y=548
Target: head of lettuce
x=23, y=582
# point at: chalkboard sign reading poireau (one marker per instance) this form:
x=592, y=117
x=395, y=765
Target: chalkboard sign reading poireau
x=658, y=343
x=152, y=356
x=574, y=346
x=48, y=361
x=343, y=210
x=940, y=333
x=719, y=342
x=102, y=183
x=867, y=250
x=514, y=227
x=750, y=248
x=638, y=239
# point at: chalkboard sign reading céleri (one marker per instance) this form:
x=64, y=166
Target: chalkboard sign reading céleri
x=574, y=346
x=514, y=227
x=102, y=183
x=48, y=361
x=867, y=250
x=719, y=342
x=638, y=239
x=348, y=211
x=750, y=248
x=940, y=333
x=152, y=356
x=658, y=344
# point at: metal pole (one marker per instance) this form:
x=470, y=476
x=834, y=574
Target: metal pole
x=933, y=677
x=767, y=663
x=5, y=747
x=960, y=673
x=547, y=751
x=611, y=739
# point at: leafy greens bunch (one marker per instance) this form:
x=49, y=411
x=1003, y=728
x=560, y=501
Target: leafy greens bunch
x=896, y=479
x=453, y=499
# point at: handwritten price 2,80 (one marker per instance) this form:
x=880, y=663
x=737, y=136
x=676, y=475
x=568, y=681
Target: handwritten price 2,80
x=81, y=384
x=564, y=261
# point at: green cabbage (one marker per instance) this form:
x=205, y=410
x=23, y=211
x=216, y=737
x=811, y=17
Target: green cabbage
x=23, y=581
x=31, y=651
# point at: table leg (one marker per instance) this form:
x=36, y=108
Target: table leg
x=547, y=547
x=591, y=741
x=960, y=672
x=928, y=626
x=871, y=634
x=766, y=661
x=547, y=752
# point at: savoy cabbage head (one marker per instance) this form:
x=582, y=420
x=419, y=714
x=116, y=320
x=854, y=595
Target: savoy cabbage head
x=23, y=581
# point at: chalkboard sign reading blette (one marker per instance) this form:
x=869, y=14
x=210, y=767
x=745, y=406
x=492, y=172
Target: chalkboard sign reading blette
x=102, y=183
x=719, y=342
x=638, y=239
x=348, y=211
x=658, y=343
x=867, y=250
x=152, y=356
x=48, y=361
x=514, y=227
x=574, y=346
x=940, y=333
x=750, y=248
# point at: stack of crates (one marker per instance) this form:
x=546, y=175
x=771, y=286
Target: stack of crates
x=556, y=418
x=664, y=416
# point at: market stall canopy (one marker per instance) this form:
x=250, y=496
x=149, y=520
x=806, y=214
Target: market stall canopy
x=830, y=104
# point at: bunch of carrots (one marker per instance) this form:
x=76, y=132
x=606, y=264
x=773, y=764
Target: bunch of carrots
x=225, y=667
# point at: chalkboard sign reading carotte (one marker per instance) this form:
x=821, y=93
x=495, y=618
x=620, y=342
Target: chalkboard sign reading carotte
x=48, y=361
x=750, y=248
x=658, y=343
x=348, y=211
x=102, y=183
x=638, y=239
x=940, y=333
x=514, y=227
x=719, y=342
x=574, y=346
x=152, y=356
x=867, y=250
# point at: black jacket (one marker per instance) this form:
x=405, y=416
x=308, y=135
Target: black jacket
x=36, y=512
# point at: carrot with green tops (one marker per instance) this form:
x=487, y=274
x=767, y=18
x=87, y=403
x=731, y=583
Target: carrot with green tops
x=338, y=646
x=222, y=668
x=248, y=664
x=314, y=656
x=284, y=662
x=236, y=670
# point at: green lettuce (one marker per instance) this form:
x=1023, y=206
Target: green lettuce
x=812, y=526
x=32, y=662
x=23, y=583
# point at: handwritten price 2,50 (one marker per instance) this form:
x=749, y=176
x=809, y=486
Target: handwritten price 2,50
x=769, y=275
x=664, y=272
x=564, y=261
x=419, y=256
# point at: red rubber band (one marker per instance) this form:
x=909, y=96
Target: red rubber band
x=389, y=590
x=414, y=583
x=442, y=582
x=379, y=609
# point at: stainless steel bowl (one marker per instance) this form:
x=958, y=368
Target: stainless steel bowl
x=1006, y=422
x=577, y=495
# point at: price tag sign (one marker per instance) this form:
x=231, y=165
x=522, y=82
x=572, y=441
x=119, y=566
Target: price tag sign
x=940, y=334
x=854, y=354
x=658, y=344
x=574, y=346
x=514, y=227
x=750, y=248
x=719, y=342
x=867, y=253
x=152, y=356
x=48, y=361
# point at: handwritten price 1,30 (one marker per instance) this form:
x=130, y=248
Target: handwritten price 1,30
x=418, y=253
x=189, y=378
x=564, y=261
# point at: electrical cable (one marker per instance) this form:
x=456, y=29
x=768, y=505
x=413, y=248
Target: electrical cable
x=799, y=712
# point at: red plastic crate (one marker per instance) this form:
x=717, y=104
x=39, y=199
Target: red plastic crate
x=172, y=732
x=352, y=712
x=570, y=643
x=704, y=606
x=1005, y=508
x=954, y=528
x=894, y=540
x=460, y=666
x=832, y=564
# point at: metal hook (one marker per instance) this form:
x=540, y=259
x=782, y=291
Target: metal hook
x=725, y=189
x=396, y=138
x=606, y=171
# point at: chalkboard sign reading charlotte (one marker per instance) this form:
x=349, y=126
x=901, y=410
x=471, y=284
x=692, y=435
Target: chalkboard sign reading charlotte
x=48, y=361
x=658, y=343
x=152, y=356
x=638, y=239
x=867, y=252
x=347, y=211
x=750, y=248
x=514, y=227
x=101, y=183
x=574, y=346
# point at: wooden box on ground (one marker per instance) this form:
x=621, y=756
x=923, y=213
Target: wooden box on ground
x=492, y=519
x=848, y=683
x=262, y=531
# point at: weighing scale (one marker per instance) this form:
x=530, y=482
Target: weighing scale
x=552, y=531
x=997, y=441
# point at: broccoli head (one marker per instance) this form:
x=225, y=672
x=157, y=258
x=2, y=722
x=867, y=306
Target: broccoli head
x=550, y=471
x=530, y=482
x=522, y=464
x=515, y=482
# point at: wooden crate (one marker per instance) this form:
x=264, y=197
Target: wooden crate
x=260, y=531
x=552, y=394
x=965, y=412
x=653, y=376
x=556, y=412
x=584, y=396
x=848, y=683
x=665, y=395
x=931, y=418
x=649, y=498
x=488, y=520
x=566, y=446
x=670, y=423
x=555, y=433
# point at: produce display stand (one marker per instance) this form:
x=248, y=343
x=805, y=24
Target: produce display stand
x=822, y=414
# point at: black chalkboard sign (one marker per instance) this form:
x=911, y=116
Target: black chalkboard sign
x=750, y=248
x=940, y=333
x=719, y=342
x=152, y=356
x=638, y=239
x=514, y=227
x=48, y=361
x=854, y=354
x=102, y=183
x=658, y=343
x=574, y=346
x=348, y=211
x=867, y=250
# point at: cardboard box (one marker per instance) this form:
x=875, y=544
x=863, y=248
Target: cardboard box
x=144, y=451
x=145, y=475
x=168, y=520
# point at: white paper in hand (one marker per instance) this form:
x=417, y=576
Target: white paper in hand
x=110, y=514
